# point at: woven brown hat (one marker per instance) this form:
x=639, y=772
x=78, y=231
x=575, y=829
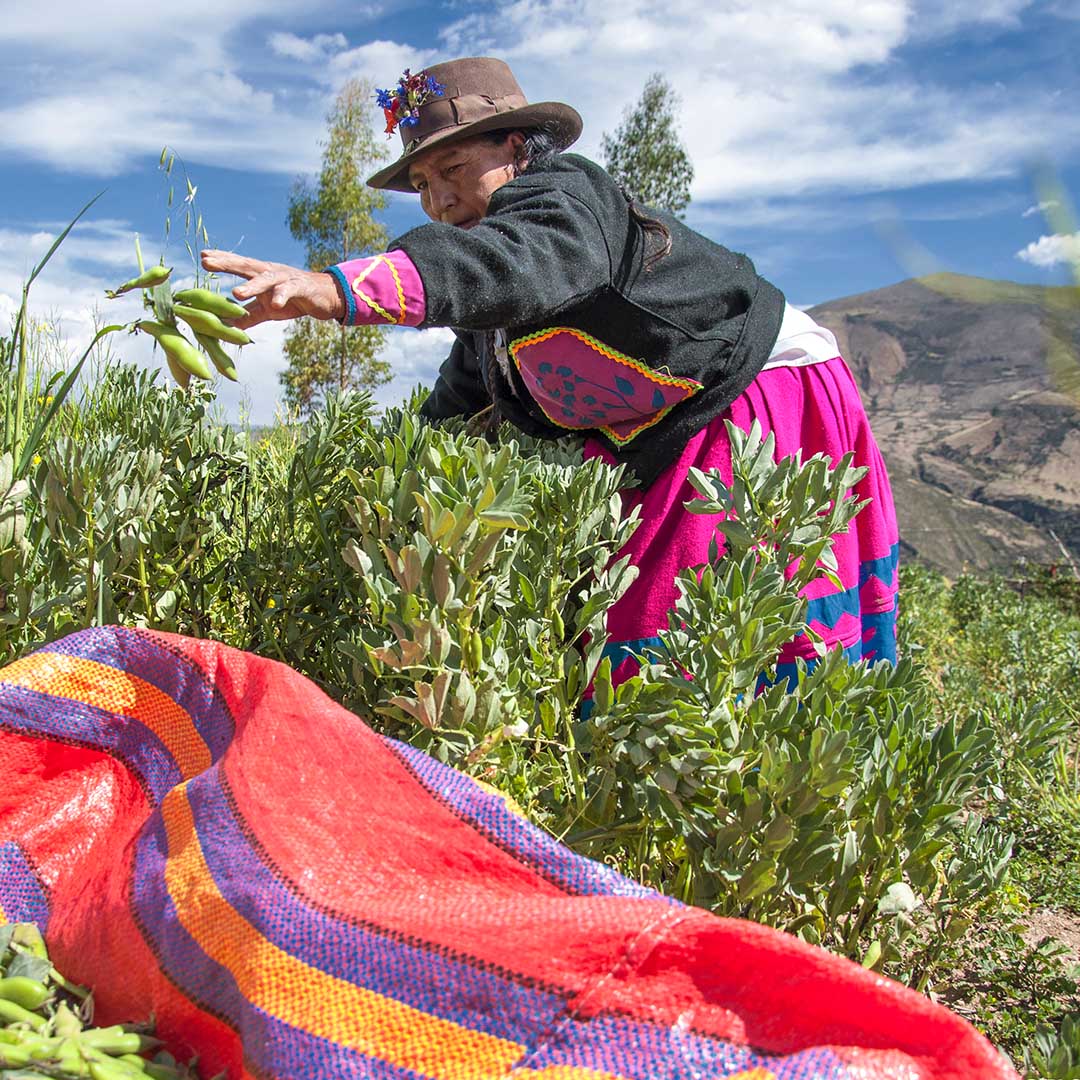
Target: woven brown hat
x=479, y=94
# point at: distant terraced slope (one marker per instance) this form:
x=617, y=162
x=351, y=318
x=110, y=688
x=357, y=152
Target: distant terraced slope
x=973, y=390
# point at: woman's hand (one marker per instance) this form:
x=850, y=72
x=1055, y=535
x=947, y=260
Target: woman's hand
x=276, y=291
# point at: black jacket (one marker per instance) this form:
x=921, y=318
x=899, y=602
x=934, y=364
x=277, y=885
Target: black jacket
x=559, y=251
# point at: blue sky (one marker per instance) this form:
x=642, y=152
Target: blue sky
x=843, y=144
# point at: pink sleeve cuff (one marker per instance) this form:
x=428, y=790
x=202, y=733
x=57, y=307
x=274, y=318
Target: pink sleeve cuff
x=381, y=289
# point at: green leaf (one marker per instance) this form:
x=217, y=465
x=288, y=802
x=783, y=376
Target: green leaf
x=872, y=955
x=758, y=879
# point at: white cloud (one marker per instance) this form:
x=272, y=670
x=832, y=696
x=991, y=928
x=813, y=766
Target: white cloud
x=829, y=212
x=1041, y=208
x=9, y=310
x=1050, y=251
x=414, y=357
x=834, y=108
x=379, y=62
x=932, y=18
x=307, y=50
x=210, y=115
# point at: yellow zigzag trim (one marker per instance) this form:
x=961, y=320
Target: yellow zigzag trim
x=397, y=283
x=612, y=354
x=370, y=301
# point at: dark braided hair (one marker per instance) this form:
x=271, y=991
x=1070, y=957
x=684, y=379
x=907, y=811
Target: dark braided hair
x=539, y=149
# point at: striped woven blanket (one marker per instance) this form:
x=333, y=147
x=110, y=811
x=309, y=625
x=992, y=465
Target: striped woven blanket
x=203, y=835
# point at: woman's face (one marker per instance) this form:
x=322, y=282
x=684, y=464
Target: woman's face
x=456, y=182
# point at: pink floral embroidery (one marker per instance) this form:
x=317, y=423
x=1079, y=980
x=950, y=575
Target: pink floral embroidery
x=581, y=383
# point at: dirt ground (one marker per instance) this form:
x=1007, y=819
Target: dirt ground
x=1062, y=925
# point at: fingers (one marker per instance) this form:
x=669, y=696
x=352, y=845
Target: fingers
x=254, y=316
x=270, y=306
x=281, y=294
x=261, y=274
x=275, y=290
x=226, y=262
x=259, y=283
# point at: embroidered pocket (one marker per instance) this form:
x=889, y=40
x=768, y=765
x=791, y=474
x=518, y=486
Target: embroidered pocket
x=579, y=382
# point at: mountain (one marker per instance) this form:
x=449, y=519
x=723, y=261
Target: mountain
x=973, y=391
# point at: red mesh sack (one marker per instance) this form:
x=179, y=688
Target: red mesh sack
x=203, y=835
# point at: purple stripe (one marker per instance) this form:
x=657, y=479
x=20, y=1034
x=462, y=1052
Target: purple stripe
x=174, y=674
x=22, y=896
x=422, y=977
x=650, y=1052
x=32, y=712
x=491, y=817
x=272, y=1047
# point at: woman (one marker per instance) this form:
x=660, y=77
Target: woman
x=577, y=311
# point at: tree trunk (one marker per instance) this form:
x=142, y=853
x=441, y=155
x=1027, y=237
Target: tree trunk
x=343, y=356
x=342, y=364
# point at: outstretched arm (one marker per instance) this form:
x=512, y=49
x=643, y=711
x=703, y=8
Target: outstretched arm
x=538, y=253
x=374, y=290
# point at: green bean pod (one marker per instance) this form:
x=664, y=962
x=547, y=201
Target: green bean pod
x=146, y=280
x=115, y=1040
x=29, y=993
x=13, y=1056
x=158, y=1071
x=222, y=360
x=10, y=1013
x=181, y=375
x=205, y=322
x=104, y=1069
x=177, y=347
x=205, y=300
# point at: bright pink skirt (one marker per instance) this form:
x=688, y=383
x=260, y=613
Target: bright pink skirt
x=815, y=409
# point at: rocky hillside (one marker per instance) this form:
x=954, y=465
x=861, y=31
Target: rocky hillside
x=973, y=389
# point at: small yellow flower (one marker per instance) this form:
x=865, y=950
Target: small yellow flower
x=36, y=460
x=40, y=400
x=49, y=400
x=271, y=602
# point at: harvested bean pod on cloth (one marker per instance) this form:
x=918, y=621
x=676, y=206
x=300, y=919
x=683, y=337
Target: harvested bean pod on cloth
x=202, y=834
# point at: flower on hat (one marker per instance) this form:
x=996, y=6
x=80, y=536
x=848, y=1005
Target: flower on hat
x=402, y=104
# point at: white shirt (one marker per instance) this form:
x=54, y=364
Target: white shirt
x=801, y=342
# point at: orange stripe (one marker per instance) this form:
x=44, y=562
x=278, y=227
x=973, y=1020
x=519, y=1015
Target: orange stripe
x=118, y=692
x=3, y=917
x=309, y=999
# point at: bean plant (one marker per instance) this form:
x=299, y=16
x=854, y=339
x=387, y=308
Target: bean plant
x=451, y=587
